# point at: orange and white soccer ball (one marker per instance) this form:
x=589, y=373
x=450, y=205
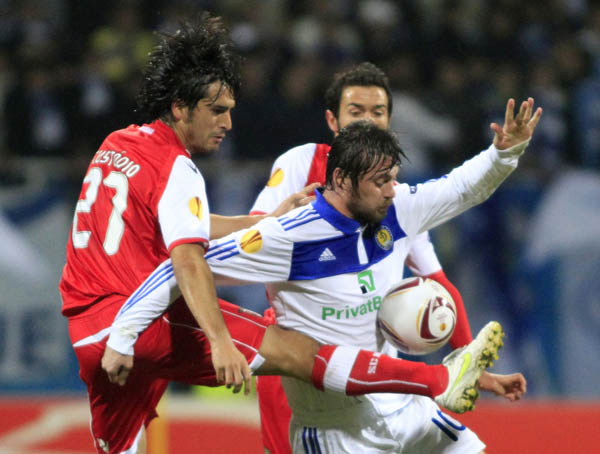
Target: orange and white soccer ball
x=418, y=317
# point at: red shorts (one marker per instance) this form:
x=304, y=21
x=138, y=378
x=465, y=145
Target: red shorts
x=275, y=414
x=172, y=348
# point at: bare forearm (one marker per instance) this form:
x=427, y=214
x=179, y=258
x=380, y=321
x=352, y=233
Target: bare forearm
x=221, y=226
x=195, y=281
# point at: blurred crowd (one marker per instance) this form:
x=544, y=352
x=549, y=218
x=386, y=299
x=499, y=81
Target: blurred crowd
x=69, y=71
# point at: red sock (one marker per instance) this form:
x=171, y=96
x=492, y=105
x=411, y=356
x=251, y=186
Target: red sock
x=462, y=332
x=357, y=372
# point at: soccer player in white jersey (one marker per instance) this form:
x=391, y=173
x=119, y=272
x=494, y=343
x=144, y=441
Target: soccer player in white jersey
x=328, y=266
x=316, y=261
x=360, y=93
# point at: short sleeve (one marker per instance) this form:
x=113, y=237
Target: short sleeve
x=183, y=211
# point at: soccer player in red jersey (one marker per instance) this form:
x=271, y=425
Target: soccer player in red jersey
x=143, y=200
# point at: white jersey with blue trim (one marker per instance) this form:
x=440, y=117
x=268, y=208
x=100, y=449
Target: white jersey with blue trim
x=325, y=273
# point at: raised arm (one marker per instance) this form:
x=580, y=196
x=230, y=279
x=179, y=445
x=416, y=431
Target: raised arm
x=427, y=205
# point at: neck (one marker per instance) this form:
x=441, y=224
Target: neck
x=336, y=199
x=173, y=125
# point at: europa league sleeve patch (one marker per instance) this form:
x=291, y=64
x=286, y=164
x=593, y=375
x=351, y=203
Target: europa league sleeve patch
x=276, y=178
x=251, y=241
x=195, y=206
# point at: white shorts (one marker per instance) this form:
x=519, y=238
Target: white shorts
x=420, y=427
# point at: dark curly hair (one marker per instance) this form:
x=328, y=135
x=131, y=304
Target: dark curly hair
x=364, y=74
x=184, y=64
x=359, y=148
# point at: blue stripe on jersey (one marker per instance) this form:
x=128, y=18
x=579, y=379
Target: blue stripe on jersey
x=297, y=223
x=220, y=248
x=310, y=261
x=444, y=429
x=155, y=280
x=304, y=442
x=224, y=257
x=454, y=424
x=311, y=439
x=286, y=220
x=316, y=438
x=303, y=217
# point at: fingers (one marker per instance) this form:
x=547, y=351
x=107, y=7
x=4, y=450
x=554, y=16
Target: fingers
x=118, y=375
x=122, y=375
x=307, y=190
x=536, y=118
x=237, y=378
x=247, y=380
x=509, y=115
x=306, y=200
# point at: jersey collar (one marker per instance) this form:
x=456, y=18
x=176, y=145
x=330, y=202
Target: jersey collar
x=333, y=216
x=167, y=132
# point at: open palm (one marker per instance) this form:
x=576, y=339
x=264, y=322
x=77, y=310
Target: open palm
x=516, y=129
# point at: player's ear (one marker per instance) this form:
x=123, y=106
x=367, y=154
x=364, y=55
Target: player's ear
x=338, y=180
x=179, y=110
x=332, y=122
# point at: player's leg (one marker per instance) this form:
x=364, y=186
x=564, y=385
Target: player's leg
x=119, y=414
x=423, y=427
x=355, y=371
x=275, y=415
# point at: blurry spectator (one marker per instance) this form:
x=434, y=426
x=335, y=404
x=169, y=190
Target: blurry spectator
x=586, y=121
x=122, y=45
x=550, y=144
x=35, y=117
x=256, y=113
x=420, y=129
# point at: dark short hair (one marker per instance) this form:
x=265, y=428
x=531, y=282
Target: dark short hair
x=364, y=74
x=359, y=148
x=184, y=64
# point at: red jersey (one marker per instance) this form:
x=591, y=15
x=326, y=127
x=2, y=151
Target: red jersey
x=141, y=196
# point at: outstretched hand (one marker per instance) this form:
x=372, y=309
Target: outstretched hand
x=300, y=198
x=516, y=129
x=511, y=386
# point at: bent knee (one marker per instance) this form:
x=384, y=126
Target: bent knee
x=287, y=352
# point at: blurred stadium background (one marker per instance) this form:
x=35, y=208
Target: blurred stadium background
x=529, y=257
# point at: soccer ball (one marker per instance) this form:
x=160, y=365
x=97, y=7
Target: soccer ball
x=418, y=317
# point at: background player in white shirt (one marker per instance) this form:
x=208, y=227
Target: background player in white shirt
x=362, y=224
x=360, y=93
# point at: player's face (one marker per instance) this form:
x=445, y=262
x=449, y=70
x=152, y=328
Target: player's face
x=375, y=194
x=203, y=128
x=361, y=103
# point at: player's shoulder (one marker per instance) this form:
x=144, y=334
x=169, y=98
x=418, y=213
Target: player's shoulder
x=300, y=153
x=306, y=223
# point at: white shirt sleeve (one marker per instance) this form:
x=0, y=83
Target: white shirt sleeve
x=147, y=303
x=260, y=254
x=183, y=216
x=429, y=204
x=183, y=211
x=422, y=259
x=288, y=176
